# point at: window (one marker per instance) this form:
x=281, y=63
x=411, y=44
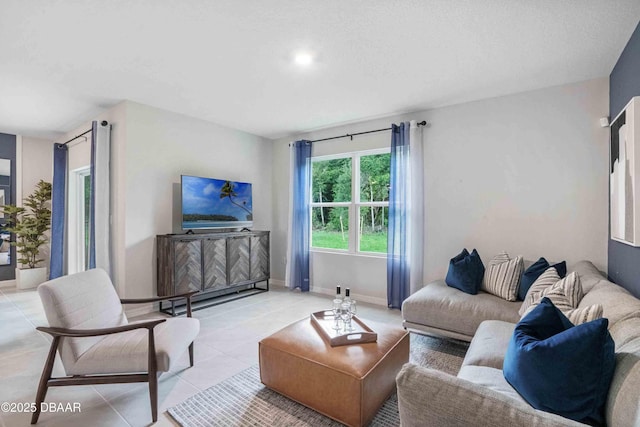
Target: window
x=79, y=205
x=350, y=202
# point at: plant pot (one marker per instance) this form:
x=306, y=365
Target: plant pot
x=29, y=278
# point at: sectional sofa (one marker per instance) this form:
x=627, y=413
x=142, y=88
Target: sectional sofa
x=479, y=395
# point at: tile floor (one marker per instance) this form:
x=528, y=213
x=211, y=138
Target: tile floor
x=226, y=345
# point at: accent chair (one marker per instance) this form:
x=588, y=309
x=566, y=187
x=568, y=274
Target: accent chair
x=96, y=342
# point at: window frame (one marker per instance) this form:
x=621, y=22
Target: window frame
x=353, y=206
x=77, y=259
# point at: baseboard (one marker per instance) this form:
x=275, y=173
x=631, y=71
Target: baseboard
x=278, y=283
x=357, y=297
x=7, y=284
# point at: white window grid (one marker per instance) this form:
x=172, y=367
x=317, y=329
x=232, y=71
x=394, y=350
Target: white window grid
x=353, y=206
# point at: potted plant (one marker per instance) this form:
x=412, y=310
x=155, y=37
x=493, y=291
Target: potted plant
x=30, y=223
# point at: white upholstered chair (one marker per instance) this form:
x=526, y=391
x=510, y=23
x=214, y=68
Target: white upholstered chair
x=96, y=342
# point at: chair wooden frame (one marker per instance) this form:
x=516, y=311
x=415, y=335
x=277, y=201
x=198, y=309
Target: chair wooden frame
x=151, y=376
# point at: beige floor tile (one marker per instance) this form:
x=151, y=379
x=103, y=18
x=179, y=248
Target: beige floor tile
x=212, y=371
x=201, y=352
x=227, y=344
x=135, y=406
x=98, y=416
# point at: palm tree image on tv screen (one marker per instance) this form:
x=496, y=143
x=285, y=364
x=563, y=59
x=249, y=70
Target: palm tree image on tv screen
x=215, y=203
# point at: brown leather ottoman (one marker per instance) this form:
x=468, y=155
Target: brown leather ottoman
x=347, y=383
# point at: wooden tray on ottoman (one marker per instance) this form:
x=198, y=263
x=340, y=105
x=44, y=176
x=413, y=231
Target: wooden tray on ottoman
x=324, y=320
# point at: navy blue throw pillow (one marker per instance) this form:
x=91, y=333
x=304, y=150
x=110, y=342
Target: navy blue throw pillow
x=561, y=368
x=530, y=275
x=466, y=272
x=561, y=268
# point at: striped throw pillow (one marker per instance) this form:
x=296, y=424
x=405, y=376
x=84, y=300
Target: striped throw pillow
x=565, y=294
x=549, y=278
x=577, y=316
x=502, y=276
x=585, y=314
x=572, y=288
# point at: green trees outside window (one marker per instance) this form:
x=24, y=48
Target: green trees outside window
x=351, y=193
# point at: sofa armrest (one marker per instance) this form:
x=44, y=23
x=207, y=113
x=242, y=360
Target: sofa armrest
x=427, y=397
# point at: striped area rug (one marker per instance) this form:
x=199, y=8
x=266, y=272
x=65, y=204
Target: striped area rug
x=243, y=400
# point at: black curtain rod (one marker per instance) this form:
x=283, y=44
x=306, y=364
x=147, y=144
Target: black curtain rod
x=76, y=137
x=103, y=123
x=351, y=135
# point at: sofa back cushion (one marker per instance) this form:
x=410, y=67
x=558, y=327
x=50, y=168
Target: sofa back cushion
x=623, y=403
x=617, y=303
x=589, y=275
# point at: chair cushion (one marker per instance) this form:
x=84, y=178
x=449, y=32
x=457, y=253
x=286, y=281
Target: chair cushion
x=127, y=352
x=85, y=300
x=439, y=306
x=465, y=272
x=561, y=368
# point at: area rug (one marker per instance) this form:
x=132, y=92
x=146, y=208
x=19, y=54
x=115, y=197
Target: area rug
x=243, y=400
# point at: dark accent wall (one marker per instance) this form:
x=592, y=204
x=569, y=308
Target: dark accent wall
x=624, y=84
x=8, y=151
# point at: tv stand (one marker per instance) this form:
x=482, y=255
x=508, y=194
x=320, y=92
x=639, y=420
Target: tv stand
x=220, y=266
x=189, y=232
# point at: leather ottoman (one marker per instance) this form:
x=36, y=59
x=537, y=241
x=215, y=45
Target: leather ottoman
x=347, y=383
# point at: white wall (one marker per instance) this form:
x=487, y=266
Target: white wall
x=36, y=159
x=80, y=156
x=37, y=163
x=150, y=149
x=525, y=173
x=161, y=146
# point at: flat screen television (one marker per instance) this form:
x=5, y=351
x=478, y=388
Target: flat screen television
x=215, y=203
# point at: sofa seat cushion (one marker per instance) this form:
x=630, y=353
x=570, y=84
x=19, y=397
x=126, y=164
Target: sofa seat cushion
x=439, y=306
x=490, y=378
x=127, y=352
x=489, y=344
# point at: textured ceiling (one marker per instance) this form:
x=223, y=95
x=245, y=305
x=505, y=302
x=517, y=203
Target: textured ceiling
x=230, y=62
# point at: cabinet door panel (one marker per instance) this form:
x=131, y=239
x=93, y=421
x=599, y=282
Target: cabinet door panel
x=238, y=262
x=214, y=258
x=188, y=266
x=260, y=257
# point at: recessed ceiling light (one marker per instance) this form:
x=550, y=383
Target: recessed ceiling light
x=303, y=59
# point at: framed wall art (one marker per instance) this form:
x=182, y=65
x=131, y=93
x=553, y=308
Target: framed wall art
x=624, y=175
